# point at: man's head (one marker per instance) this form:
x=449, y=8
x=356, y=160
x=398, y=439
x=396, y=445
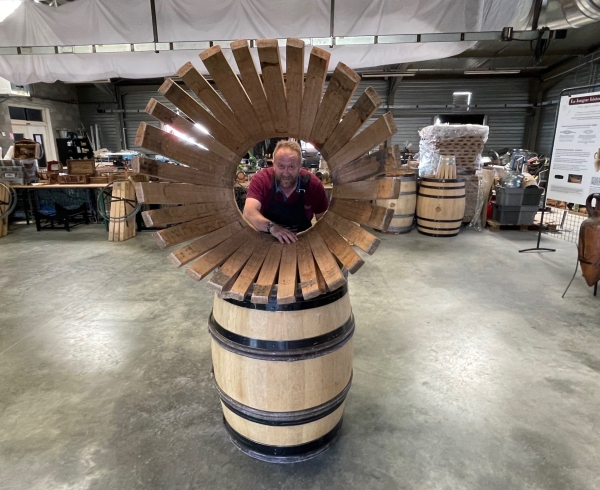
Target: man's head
x=287, y=162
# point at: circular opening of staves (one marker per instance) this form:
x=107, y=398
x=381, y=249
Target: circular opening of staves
x=210, y=132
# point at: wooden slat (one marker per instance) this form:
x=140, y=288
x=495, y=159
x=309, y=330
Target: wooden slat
x=340, y=90
x=178, y=214
x=177, y=173
x=193, y=229
x=376, y=133
x=372, y=165
x=272, y=75
x=361, y=111
x=268, y=272
x=213, y=259
x=307, y=269
x=352, y=232
x=131, y=225
x=167, y=116
x=368, y=189
x=180, y=98
x=233, y=91
x=339, y=247
x=248, y=274
x=294, y=84
x=313, y=90
x=320, y=280
x=169, y=145
x=215, y=104
x=327, y=264
x=253, y=85
x=364, y=213
x=195, y=249
x=172, y=193
x=286, y=282
x=223, y=279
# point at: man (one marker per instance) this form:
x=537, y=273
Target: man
x=283, y=199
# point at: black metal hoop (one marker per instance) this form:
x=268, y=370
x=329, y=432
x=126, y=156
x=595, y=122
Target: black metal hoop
x=11, y=204
x=107, y=192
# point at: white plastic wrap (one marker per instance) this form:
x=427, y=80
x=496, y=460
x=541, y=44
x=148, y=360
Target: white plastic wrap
x=433, y=138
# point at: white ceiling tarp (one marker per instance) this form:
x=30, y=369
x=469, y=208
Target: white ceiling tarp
x=87, y=22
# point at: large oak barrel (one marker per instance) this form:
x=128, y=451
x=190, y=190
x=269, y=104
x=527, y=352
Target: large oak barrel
x=283, y=373
x=440, y=207
x=404, y=206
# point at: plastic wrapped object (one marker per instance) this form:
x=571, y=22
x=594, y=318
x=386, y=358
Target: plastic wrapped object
x=486, y=181
x=464, y=141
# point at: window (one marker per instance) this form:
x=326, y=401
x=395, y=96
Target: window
x=24, y=114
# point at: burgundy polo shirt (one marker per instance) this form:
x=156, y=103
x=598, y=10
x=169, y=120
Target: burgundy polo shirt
x=315, y=199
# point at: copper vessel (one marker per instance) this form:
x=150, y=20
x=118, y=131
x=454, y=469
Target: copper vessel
x=589, y=242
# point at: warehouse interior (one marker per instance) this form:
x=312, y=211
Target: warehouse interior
x=474, y=363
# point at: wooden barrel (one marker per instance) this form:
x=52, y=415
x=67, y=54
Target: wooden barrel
x=283, y=373
x=440, y=207
x=404, y=206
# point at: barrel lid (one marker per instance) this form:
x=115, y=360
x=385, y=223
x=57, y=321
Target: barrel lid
x=429, y=179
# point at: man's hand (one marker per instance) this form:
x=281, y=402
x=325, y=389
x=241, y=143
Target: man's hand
x=283, y=234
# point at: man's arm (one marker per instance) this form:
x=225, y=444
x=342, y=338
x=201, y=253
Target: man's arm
x=253, y=215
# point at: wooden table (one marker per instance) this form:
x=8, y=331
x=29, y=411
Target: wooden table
x=31, y=204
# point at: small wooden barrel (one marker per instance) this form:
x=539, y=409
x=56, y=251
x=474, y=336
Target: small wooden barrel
x=283, y=373
x=404, y=206
x=440, y=207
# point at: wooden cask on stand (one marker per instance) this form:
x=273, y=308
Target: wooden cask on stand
x=283, y=372
x=440, y=207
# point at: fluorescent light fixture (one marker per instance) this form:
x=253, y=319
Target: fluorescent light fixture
x=387, y=74
x=468, y=94
x=492, y=72
x=7, y=7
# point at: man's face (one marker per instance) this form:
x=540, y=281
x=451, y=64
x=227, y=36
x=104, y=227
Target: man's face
x=286, y=165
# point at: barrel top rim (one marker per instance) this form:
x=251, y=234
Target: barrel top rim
x=429, y=179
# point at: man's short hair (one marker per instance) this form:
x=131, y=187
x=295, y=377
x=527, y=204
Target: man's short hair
x=288, y=145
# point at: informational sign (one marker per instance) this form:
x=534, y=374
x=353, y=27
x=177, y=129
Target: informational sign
x=575, y=165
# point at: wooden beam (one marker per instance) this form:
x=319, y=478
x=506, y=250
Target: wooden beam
x=215, y=104
x=272, y=74
x=167, y=116
x=195, y=249
x=307, y=269
x=352, y=232
x=178, y=214
x=286, y=283
x=181, y=99
x=313, y=90
x=376, y=133
x=364, y=213
x=341, y=88
x=266, y=278
x=361, y=111
x=294, y=79
x=213, y=259
x=253, y=84
x=339, y=247
x=175, y=235
x=223, y=279
x=233, y=91
x=242, y=284
x=387, y=188
x=372, y=165
x=172, y=193
x=327, y=264
x=190, y=154
x=178, y=173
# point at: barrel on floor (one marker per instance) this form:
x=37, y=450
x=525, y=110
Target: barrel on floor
x=440, y=207
x=404, y=206
x=283, y=373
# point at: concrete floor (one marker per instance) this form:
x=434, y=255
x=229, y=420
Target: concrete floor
x=470, y=371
